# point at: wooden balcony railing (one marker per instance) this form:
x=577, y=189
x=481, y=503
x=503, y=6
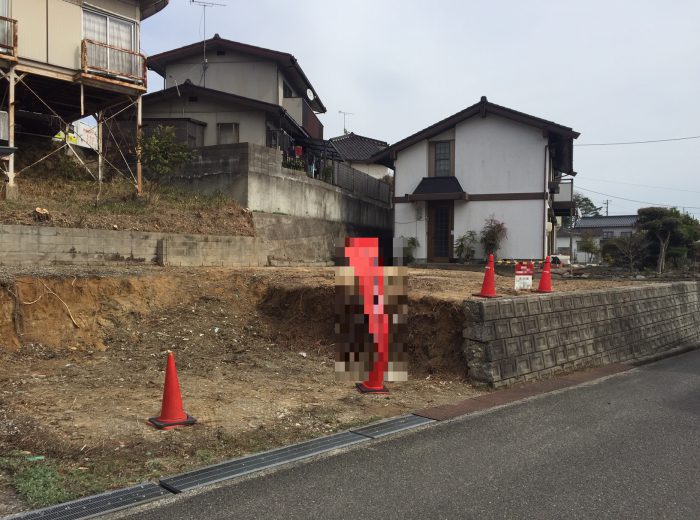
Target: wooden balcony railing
x=8, y=36
x=113, y=62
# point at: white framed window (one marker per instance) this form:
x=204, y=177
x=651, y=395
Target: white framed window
x=117, y=34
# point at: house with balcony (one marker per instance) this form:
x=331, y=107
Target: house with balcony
x=485, y=161
x=62, y=60
x=220, y=92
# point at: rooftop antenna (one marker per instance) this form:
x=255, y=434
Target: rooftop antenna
x=204, y=6
x=345, y=131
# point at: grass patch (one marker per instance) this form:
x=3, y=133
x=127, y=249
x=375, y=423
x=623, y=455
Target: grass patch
x=39, y=483
x=43, y=483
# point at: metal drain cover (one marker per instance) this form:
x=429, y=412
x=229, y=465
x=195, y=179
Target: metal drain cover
x=90, y=507
x=397, y=424
x=268, y=459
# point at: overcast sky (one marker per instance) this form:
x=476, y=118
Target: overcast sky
x=613, y=70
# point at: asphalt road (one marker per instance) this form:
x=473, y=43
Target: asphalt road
x=624, y=447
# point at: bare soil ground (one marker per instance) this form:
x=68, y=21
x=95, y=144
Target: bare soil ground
x=82, y=354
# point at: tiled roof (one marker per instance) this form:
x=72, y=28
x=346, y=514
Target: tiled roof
x=607, y=222
x=353, y=147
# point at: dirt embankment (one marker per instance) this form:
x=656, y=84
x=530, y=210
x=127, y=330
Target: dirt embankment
x=82, y=360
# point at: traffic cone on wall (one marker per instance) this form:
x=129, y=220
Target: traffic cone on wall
x=488, y=289
x=546, y=279
x=171, y=413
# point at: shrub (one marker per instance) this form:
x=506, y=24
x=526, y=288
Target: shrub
x=492, y=235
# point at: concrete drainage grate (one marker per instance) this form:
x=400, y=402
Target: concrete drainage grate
x=380, y=429
x=260, y=461
x=96, y=505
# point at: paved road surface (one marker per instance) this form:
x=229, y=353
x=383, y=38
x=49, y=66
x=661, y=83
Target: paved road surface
x=625, y=447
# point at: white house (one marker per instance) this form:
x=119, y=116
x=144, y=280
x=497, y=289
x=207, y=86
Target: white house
x=599, y=228
x=486, y=160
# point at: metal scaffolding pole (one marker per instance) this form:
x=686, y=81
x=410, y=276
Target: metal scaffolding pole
x=12, y=191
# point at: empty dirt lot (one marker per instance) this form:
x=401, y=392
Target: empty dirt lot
x=82, y=353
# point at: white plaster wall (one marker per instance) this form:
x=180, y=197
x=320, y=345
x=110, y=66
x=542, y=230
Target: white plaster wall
x=407, y=224
x=233, y=73
x=375, y=170
x=524, y=230
x=497, y=155
x=251, y=122
x=411, y=166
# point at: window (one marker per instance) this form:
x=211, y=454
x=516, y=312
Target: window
x=626, y=234
x=6, y=30
x=115, y=32
x=442, y=159
x=287, y=90
x=608, y=234
x=226, y=133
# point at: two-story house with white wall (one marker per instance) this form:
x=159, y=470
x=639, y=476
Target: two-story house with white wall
x=487, y=160
x=231, y=92
x=66, y=59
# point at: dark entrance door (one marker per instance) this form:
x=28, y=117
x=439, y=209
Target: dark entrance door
x=440, y=230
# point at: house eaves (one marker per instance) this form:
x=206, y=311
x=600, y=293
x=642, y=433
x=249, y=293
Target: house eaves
x=151, y=7
x=286, y=61
x=189, y=89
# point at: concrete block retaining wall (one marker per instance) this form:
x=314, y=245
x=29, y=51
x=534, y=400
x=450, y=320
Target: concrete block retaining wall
x=312, y=244
x=511, y=340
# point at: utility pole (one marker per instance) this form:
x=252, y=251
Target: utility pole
x=204, y=37
x=345, y=130
x=607, y=205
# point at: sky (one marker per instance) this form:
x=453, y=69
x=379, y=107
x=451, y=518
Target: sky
x=615, y=71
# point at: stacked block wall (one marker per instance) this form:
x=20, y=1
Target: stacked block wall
x=516, y=339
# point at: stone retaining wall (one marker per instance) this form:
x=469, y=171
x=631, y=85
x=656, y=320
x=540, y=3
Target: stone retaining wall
x=509, y=340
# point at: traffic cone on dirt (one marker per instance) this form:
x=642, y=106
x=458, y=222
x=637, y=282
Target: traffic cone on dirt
x=172, y=413
x=546, y=278
x=488, y=289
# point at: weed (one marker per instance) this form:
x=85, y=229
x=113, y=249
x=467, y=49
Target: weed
x=40, y=484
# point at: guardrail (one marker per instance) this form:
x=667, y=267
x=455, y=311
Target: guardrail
x=113, y=62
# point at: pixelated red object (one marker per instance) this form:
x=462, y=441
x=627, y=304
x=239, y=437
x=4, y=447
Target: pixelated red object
x=363, y=257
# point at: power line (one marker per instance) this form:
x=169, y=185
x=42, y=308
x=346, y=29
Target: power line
x=640, y=142
x=643, y=185
x=638, y=201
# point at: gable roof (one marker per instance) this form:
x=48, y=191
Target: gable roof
x=286, y=61
x=562, y=136
x=189, y=89
x=607, y=222
x=357, y=148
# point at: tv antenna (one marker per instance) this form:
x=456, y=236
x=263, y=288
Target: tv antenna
x=345, y=131
x=204, y=6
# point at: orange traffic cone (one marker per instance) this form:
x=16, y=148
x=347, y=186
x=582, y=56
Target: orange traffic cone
x=488, y=289
x=171, y=414
x=546, y=279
